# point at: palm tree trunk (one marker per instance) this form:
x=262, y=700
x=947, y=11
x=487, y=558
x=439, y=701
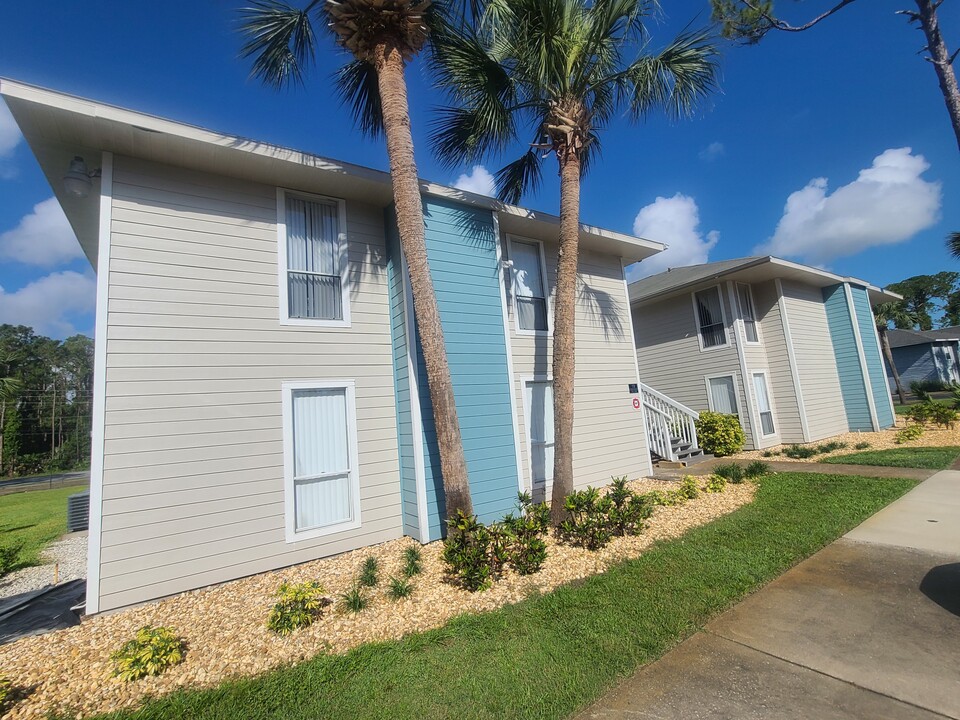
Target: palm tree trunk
x=942, y=62
x=564, y=330
x=389, y=63
x=888, y=354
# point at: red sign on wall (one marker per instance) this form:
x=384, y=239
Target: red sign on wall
x=636, y=403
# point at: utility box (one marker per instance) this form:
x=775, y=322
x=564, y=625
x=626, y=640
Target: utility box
x=78, y=511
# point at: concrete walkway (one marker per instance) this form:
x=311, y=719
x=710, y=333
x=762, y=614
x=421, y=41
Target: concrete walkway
x=868, y=628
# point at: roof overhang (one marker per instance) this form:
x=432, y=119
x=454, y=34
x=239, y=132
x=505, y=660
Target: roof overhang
x=58, y=126
x=770, y=268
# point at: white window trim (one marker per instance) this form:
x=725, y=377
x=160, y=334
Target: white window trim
x=773, y=408
x=736, y=391
x=696, y=319
x=524, y=381
x=343, y=250
x=546, y=287
x=756, y=320
x=287, y=388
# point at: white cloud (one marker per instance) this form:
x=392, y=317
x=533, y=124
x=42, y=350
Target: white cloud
x=50, y=304
x=713, y=151
x=676, y=222
x=479, y=181
x=10, y=135
x=44, y=237
x=888, y=203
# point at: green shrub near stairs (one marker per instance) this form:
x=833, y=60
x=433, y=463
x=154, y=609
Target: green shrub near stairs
x=720, y=434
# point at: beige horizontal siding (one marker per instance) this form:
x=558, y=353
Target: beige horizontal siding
x=778, y=362
x=608, y=437
x=816, y=363
x=193, y=465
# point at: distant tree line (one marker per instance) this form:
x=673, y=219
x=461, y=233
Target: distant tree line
x=46, y=401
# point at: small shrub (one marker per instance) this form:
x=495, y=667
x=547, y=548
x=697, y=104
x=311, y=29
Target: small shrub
x=370, y=572
x=6, y=689
x=412, y=562
x=688, y=489
x=399, y=588
x=10, y=558
x=909, y=433
x=861, y=446
x=659, y=497
x=150, y=652
x=756, y=469
x=730, y=471
x=525, y=532
x=830, y=447
x=921, y=412
x=586, y=523
x=716, y=484
x=354, y=599
x=628, y=509
x=922, y=388
x=799, y=452
x=943, y=415
x=299, y=605
x=720, y=434
x=473, y=553
x=770, y=453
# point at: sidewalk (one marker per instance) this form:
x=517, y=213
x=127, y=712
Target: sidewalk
x=868, y=628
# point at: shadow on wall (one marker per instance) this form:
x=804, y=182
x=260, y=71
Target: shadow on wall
x=942, y=585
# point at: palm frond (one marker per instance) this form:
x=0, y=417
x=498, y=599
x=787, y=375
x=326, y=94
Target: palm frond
x=521, y=176
x=281, y=40
x=953, y=244
x=463, y=135
x=357, y=87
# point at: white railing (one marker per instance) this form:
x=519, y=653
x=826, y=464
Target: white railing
x=666, y=420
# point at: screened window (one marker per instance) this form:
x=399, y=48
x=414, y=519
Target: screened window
x=763, y=404
x=540, y=433
x=314, y=283
x=529, y=287
x=710, y=317
x=321, y=472
x=723, y=395
x=747, y=312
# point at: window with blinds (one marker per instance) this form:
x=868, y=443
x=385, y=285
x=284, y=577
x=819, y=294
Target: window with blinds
x=530, y=295
x=763, y=404
x=322, y=478
x=747, y=312
x=710, y=317
x=314, y=281
x=723, y=395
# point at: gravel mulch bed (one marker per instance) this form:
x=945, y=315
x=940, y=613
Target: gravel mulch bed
x=883, y=440
x=70, y=553
x=224, y=626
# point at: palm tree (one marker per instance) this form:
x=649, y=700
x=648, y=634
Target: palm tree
x=383, y=36
x=896, y=313
x=562, y=69
x=953, y=244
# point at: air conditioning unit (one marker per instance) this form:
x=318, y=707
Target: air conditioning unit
x=78, y=511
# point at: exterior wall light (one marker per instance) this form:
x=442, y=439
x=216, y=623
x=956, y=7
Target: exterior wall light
x=77, y=180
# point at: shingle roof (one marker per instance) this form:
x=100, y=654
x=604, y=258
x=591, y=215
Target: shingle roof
x=904, y=338
x=678, y=277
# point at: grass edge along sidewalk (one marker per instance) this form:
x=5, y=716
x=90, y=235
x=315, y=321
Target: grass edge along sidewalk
x=551, y=655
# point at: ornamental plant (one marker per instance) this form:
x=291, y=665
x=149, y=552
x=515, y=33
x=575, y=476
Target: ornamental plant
x=756, y=469
x=586, y=522
x=525, y=535
x=733, y=472
x=720, y=434
x=298, y=607
x=473, y=553
x=688, y=490
x=150, y=652
x=716, y=484
x=628, y=509
x=908, y=434
x=6, y=688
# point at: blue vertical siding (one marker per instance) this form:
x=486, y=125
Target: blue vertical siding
x=401, y=378
x=852, y=385
x=871, y=353
x=462, y=251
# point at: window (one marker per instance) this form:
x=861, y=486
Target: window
x=313, y=259
x=763, y=404
x=710, y=322
x=529, y=288
x=747, y=313
x=320, y=458
x=723, y=395
x=538, y=396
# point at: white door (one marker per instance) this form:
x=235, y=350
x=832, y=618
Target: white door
x=539, y=402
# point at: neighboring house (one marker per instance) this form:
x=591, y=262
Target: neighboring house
x=260, y=397
x=790, y=349
x=925, y=355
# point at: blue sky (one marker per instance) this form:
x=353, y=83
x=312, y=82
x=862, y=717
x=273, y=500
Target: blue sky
x=819, y=119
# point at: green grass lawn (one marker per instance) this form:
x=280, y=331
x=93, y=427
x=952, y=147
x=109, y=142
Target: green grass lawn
x=34, y=519
x=932, y=458
x=550, y=655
